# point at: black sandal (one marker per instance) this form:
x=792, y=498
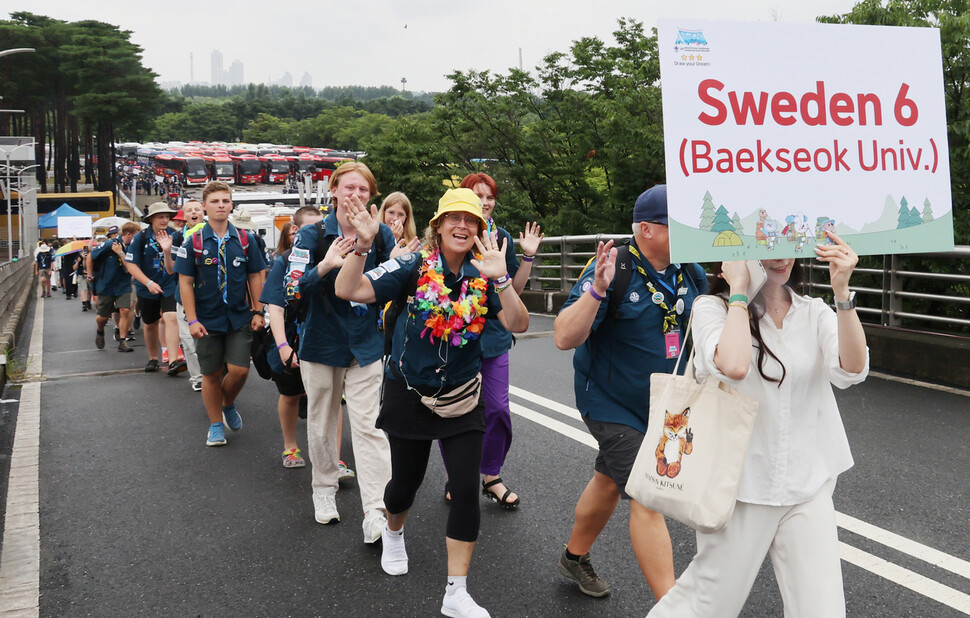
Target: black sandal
x=503, y=501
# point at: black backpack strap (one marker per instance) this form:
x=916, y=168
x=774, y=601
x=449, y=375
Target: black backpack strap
x=323, y=245
x=397, y=305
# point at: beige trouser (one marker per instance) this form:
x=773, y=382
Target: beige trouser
x=803, y=543
x=188, y=345
x=372, y=454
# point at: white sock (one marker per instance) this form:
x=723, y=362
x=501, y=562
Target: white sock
x=454, y=583
x=395, y=533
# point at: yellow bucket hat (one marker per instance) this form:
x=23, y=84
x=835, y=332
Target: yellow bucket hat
x=460, y=200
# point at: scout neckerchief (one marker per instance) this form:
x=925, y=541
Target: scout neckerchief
x=222, y=267
x=153, y=243
x=670, y=320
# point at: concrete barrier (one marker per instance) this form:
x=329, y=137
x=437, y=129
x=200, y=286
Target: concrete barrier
x=16, y=290
x=931, y=357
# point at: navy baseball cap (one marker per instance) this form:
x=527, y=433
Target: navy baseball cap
x=651, y=205
x=113, y=230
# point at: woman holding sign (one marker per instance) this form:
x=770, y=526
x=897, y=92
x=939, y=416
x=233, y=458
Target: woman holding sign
x=786, y=351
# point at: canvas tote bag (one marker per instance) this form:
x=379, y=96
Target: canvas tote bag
x=689, y=465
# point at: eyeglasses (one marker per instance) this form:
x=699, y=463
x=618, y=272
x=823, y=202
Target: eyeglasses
x=455, y=218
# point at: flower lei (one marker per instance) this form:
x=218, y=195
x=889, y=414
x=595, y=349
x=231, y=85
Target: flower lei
x=455, y=321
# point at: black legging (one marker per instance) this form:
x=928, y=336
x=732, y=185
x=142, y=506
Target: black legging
x=463, y=455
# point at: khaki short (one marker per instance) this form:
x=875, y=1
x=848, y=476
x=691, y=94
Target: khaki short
x=218, y=349
x=109, y=304
x=44, y=273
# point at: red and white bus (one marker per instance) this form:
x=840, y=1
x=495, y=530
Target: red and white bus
x=275, y=169
x=249, y=169
x=221, y=168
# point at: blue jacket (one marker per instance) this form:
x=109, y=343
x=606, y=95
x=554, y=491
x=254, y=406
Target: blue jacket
x=145, y=253
x=612, y=367
x=111, y=278
x=336, y=333
x=217, y=312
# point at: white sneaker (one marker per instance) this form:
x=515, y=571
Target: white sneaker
x=325, y=508
x=373, y=526
x=394, y=556
x=460, y=604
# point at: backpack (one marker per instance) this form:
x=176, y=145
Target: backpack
x=197, y=245
x=393, y=309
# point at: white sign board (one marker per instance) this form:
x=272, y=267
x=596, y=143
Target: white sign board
x=74, y=227
x=774, y=133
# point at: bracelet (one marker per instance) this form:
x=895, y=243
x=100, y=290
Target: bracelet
x=280, y=346
x=255, y=313
x=528, y=258
x=502, y=280
x=357, y=251
x=593, y=293
x=738, y=297
x=502, y=287
x=739, y=303
x=193, y=322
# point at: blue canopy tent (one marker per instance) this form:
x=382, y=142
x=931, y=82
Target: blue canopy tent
x=48, y=221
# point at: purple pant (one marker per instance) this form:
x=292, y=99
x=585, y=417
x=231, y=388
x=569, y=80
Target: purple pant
x=498, y=417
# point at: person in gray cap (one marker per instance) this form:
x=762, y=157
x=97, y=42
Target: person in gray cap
x=637, y=331
x=149, y=261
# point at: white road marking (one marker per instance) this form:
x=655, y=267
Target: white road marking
x=20, y=559
x=555, y=406
x=919, y=584
x=900, y=543
x=904, y=577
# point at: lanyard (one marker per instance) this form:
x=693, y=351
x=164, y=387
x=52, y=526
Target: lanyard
x=670, y=320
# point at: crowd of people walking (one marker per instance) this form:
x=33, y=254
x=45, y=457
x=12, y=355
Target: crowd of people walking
x=412, y=334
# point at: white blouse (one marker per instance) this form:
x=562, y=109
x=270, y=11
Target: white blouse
x=798, y=442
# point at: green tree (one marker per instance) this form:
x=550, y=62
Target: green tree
x=736, y=223
x=721, y=220
x=903, y=217
x=707, y=213
x=927, y=211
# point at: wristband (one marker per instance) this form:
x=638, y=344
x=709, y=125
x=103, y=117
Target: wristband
x=255, y=313
x=528, y=258
x=738, y=297
x=280, y=346
x=593, y=293
x=193, y=322
x=357, y=251
x=502, y=280
x=740, y=304
x=502, y=287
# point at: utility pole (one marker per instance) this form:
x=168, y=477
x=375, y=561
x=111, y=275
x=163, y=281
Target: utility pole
x=404, y=83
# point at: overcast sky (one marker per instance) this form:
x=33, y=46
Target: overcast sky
x=377, y=42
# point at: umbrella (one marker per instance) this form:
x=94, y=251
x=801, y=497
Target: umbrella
x=72, y=247
x=107, y=222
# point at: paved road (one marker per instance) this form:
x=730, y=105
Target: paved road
x=138, y=517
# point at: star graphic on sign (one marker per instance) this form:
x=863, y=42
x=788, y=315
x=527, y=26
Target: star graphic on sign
x=683, y=56
x=699, y=58
x=692, y=56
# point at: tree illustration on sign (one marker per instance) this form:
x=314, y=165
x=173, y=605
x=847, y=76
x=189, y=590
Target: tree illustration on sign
x=907, y=217
x=707, y=213
x=736, y=223
x=927, y=211
x=721, y=220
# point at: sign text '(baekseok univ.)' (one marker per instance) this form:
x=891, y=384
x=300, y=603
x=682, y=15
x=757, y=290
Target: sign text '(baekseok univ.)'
x=813, y=108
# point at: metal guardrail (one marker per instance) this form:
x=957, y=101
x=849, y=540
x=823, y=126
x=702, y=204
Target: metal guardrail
x=898, y=294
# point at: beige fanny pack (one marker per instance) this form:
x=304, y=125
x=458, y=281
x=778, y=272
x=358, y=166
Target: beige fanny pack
x=458, y=401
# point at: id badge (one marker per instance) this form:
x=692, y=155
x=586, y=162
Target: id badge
x=672, y=343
